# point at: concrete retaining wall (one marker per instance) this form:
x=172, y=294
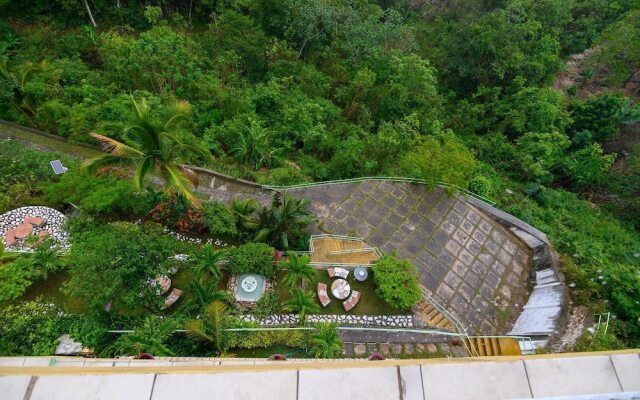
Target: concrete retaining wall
x=545, y=314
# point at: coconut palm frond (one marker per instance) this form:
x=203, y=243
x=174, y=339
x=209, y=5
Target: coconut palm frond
x=177, y=182
x=195, y=330
x=115, y=147
x=93, y=165
x=191, y=175
x=178, y=113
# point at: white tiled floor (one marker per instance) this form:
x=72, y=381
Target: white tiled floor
x=597, y=376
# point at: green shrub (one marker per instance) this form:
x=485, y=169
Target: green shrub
x=397, y=282
x=284, y=176
x=599, y=342
x=268, y=304
x=439, y=160
x=17, y=276
x=98, y=195
x=257, y=339
x=481, y=185
x=31, y=329
x=112, y=262
x=255, y=258
x=602, y=115
x=218, y=219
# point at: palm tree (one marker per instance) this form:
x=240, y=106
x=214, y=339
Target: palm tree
x=283, y=219
x=210, y=328
x=205, y=294
x=150, y=338
x=245, y=213
x=325, y=342
x=299, y=270
x=301, y=303
x=151, y=146
x=206, y=261
x=18, y=77
x=255, y=146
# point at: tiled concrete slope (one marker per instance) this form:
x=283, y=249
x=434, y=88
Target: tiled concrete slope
x=610, y=376
x=476, y=267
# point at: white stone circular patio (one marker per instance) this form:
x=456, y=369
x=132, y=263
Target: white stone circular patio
x=53, y=222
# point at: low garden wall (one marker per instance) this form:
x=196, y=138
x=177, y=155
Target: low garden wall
x=395, y=321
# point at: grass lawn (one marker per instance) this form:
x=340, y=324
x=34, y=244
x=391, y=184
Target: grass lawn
x=50, y=290
x=369, y=304
x=49, y=142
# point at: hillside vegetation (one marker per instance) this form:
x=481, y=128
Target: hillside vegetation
x=291, y=91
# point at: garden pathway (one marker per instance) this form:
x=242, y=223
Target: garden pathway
x=473, y=265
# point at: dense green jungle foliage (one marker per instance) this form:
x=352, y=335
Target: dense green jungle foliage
x=291, y=91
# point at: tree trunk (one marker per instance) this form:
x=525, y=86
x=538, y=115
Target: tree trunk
x=118, y=4
x=86, y=5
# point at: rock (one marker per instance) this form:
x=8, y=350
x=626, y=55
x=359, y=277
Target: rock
x=408, y=348
x=420, y=347
x=360, y=349
x=431, y=348
x=396, y=348
x=384, y=349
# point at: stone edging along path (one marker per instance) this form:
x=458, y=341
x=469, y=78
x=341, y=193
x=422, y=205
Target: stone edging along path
x=387, y=321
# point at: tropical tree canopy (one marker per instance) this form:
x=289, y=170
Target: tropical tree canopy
x=298, y=270
x=151, y=146
x=206, y=261
x=286, y=219
x=302, y=303
x=150, y=338
x=211, y=327
x=325, y=341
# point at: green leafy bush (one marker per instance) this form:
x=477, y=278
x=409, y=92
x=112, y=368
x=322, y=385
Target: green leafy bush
x=18, y=275
x=481, y=185
x=396, y=282
x=602, y=115
x=218, y=219
x=267, y=305
x=31, y=329
x=256, y=258
x=439, y=160
x=112, y=262
x=107, y=193
x=257, y=339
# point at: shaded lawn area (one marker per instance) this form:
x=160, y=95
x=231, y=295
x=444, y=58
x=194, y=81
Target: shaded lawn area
x=369, y=304
x=49, y=143
x=50, y=290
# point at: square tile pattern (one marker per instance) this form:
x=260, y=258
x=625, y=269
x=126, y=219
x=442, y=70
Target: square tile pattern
x=471, y=263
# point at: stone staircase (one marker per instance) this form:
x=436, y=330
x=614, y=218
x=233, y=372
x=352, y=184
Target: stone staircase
x=545, y=310
x=487, y=346
x=341, y=251
x=433, y=317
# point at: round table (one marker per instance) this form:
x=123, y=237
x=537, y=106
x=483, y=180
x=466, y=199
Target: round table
x=340, y=289
x=361, y=274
